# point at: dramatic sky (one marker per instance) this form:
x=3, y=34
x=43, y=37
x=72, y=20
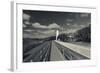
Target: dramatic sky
x=41, y=24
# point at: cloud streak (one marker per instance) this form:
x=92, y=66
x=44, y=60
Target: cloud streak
x=50, y=26
x=26, y=16
x=84, y=15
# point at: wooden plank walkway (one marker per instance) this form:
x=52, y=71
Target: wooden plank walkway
x=55, y=53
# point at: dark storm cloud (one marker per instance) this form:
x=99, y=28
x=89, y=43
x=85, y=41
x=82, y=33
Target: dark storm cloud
x=45, y=23
x=60, y=18
x=47, y=17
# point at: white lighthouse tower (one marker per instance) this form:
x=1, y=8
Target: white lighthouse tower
x=57, y=34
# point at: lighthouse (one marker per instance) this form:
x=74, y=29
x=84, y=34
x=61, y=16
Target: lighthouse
x=57, y=34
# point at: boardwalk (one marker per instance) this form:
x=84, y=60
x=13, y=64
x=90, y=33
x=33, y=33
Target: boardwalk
x=56, y=51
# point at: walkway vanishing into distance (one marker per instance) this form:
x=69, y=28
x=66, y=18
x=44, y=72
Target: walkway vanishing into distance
x=56, y=51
